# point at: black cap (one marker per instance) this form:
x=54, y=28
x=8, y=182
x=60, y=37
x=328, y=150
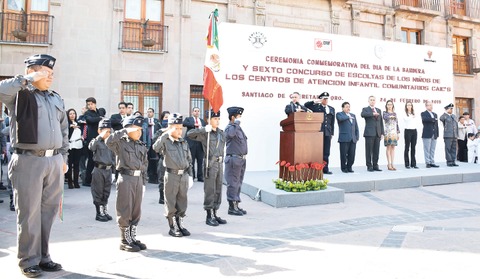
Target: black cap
x=211, y=113
x=232, y=111
x=104, y=123
x=133, y=120
x=41, y=59
x=449, y=106
x=175, y=118
x=324, y=95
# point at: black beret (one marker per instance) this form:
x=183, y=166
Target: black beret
x=449, y=106
x=133, y=120
x=211, y=113
x=324, y=95
x=41, y=59
x=234, y=111
x=104, y=123
x=175, y=118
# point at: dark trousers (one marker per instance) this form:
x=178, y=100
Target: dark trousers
x=89, y=170
x=234, y=173
x=410, y=143
x=372, y=148
x=450, y=150
x=327, y=140
x=347, y=154
x=462, y=151
x=73, y=165
x=196, y=150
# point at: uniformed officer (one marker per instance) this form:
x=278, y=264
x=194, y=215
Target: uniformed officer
x=450, y=133
x=179, y=174
x=39, y=136
x=328, y=125
x=104, y=163
x=235, y=161
x=131, y=163
x=212, y=186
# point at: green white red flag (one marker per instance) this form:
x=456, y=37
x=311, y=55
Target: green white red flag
x=212, y=90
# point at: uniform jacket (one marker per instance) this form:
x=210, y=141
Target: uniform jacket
x=130, y=154
x=217, y=141
x=176, y=153
x=450, y=125
x=328, y=125
x=347, y=131
x=101, y=153
x=236, y=140
x=51, y=116
x=430, y=125
x=373, y=125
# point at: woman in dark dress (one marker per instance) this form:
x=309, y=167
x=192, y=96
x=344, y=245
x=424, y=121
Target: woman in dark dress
x=74, y=152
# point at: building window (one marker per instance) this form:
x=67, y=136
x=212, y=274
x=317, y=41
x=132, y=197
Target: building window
x=197, y=100
x=456, y=7
x=464, y=105
x=142, y=28
x=143, y=95
x=26, y=22
x=462, y=60
x=412, y=36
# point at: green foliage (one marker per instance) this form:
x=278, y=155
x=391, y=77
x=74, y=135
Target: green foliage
x=301, y=186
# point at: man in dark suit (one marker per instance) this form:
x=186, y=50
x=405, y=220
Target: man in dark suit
x=429, y=135
x=294, y=105
x=196, y=149
x=92, y=117
x=116, y=119
x=348, y=136
x=150, y=126
x=328, y=125
x=373, y=133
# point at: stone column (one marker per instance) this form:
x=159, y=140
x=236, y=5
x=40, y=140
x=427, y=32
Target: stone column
x=388, y=27
x=335, y=18
x=186, y=8
x=232, y=11
x=260, y=12
x=355, y=22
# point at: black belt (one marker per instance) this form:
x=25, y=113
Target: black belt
x=38, y=153
x=237, y=156
x=131, y=172
x=177, y=172
x=102, y=166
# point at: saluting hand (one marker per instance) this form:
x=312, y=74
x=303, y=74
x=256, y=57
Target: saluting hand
x=36, y=76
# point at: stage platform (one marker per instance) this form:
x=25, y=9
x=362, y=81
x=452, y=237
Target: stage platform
x=259, y=185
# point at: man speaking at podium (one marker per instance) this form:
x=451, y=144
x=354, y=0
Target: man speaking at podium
x=328, y=125
x=295, y=105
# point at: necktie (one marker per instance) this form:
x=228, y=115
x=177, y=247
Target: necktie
x=151, y=128
x=373, y=109
x=196, y=122
x=84, y=136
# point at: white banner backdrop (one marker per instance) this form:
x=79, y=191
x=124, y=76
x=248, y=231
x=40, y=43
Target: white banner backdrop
x=262, y=66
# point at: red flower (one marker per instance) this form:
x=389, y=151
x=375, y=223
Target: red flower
x=287, y=165
x=277, y=162
x=318, y=166
x=312, y=165
x=283, y=163
x=291, y=168
x=298, y=166
x=306, y=166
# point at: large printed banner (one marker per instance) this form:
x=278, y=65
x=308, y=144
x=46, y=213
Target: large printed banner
x=262, y=66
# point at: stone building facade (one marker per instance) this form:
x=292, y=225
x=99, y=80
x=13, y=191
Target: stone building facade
x=151, y=52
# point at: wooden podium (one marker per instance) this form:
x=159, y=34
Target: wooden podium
x=301, y=140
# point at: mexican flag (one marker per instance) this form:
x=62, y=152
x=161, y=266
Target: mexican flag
x=212, y=90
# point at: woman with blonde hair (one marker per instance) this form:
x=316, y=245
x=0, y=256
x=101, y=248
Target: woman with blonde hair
x=391, y=132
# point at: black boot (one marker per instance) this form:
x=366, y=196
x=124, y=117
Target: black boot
x=127, y=243
x=244, y=212
x=133, y=235
x=12, y=205
x=75, y=179
x=219, y=220
x=174, y=229
x=184, y=231
x=100, y=215
x=105, y=212
x=233, y=209
x=211, y=220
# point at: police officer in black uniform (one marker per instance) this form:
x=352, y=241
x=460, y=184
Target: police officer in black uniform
x=328, y=125
x=39, y=137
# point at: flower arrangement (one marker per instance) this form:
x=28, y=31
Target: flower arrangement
x=301, y=177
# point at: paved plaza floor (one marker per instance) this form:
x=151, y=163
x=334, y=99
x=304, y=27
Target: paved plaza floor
x=423, y=232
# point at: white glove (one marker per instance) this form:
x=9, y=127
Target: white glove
x=36, y=76
x=208, y=128
x=190, y=182
x=130, y=130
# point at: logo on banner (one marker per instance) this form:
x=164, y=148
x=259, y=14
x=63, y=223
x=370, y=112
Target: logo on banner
x=322, y=44
x=257, y=39
x=429, y=59
x=379, y=51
